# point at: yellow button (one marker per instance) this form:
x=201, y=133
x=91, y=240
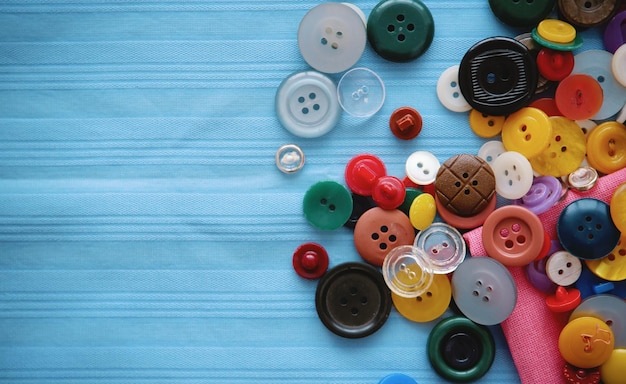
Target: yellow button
x=614, y=370
x=612, y=267
x=428, y=306
x=556, y=31
x=422, y=211
x=527, y=131
x=586, y=342
x=606, y=147
x=618, y=208
x=484, y=125
x=565, y=152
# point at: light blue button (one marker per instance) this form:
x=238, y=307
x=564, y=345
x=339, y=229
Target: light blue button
x=397, y=378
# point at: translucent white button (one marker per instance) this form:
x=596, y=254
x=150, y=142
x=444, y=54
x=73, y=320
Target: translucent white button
x=491, y=150
x=514, y=175
x=306, y=104
x=289, y=158
x=618, y=65
x=332, y=37
x=444, y=245
x=422, y=167
x=361, y=92
x=407, y=271
x=563, y=268
x=449, y=93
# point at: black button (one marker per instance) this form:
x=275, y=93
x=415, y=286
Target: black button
x=498, y=76
x=352, y=300
x=588, y=13
x=360, y=205
x=461, y=350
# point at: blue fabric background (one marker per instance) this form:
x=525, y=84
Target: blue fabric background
x=145, y=232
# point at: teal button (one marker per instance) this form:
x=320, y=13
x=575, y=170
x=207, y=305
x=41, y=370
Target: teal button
x=521, y=13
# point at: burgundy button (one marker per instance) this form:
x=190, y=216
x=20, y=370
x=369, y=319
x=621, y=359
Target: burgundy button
x=362, y=173
x=575, y=375
x=310, y=260
x=405, y=123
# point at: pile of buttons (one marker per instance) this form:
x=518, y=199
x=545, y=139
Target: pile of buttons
x=549, y=146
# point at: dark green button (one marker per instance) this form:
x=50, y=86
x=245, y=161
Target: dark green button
x=400, y=30
x=327, y=205
x=411, y=194
x=460, y=350
x=521, y=13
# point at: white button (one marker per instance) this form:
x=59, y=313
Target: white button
x=563, y=268
x=449, y=93
x=289, y=158
x=618, y=65
x=332, y=37
x=306, y=104
x=361, y=92
x=422, y=167
x=491, y=150
x=514, y=175
x=407, y=271
x=444, y=245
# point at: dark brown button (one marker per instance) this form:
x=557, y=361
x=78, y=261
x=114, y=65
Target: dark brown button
x=588, y=13
x=378, y=231
x=465, y=184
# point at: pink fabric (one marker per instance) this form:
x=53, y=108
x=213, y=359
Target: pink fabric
x=532, y=331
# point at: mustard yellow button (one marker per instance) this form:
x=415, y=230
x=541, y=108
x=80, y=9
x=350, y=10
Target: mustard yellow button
x=586, y=342
x=618, y=208
x=565, y=152
x=527, y=131
x=429, y=305
x=484, y=125
x=422, y=211
x=556, y=31
x=606, y=147
x=612, y=267
x=613, y=371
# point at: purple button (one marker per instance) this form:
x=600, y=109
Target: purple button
x=615, y=32
x=536, y=274
x=543, y=194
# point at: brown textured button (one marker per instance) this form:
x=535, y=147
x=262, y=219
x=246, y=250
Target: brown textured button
x=378, y=231
x=465, y=184
x=588, y=13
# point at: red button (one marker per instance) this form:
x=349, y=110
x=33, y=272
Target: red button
x=575, y=375
x=405, y=123
x=547, y=245
x=389, y=192
x=547, y=105
x=579, y=97
x=310, y=260
x=362, y=173
x=555, y=65
x=564, y=300
x=513, y=235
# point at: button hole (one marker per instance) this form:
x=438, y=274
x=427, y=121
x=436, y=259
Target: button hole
x=560, y=271
x=331, y=207
x=391, y=28
x=384, y=229
x=383, y=246
x=419, y=299
x=375, y=236
x=392, y=238
x=343, y=301
x=401, y=37
x=353, y=291
x=363, y=300
x=475, y=293
x=508, y=244
x=354, y=311
x=429, y=294
x=410, y=27
x=400, y=17
x=486, y=299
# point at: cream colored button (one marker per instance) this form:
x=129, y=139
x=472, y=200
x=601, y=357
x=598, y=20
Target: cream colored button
x=563, y=268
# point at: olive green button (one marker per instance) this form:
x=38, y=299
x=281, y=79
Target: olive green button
x=521, y=13
x=400, y=30
x=327, y=205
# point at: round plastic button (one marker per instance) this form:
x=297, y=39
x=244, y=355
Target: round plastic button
x=586, y=342
x=614, y=33
x=587, y=13
x=527, y=131
x=579, y=97
x=585, y=229
x=556, y=31
x=566, y=149
x=310, y=260
x=306, y=104
x=563, y=268
x=514, y=175
x=555, y=65
x=536, y=274
x=465, y=185
x=564, y=300
x=448, y=91
x=611, y=267
x=582, y=179
x=378, y=231
x=407, y=271
x=484, y=290
x=521, y=13
x=612, y=371
x=360, y=205
x=331, y=37
x=577, y=43
x=547, y=105
x=460, y=350
x=575, y=375
x=462, y=222
x=422, y=211
x=586, y=126
x=597, y=64
x=542, y=195
x=608, y=308
x=618, y=208
x=362, y=173
x=513, y=235
x=421, y=167
x=498, y=76
x=352, y=300
x=397, y=378
x=490, y=151
x=618, y=64
x=400, y=30
x=444, y=245
x=427, y=306
x=327, y=205
x=411, y=194
x=606, y=147
x=405, y=123
x=389, y=192
x=485, y=126
x=289, y=158
x=361, y=92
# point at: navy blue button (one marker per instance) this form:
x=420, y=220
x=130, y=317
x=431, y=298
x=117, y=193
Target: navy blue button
x=589, y=285
x=585, y=229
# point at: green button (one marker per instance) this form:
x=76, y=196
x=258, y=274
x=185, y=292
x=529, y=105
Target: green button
x=521, y=13
x=411, y=194
x=327, y=205
x=400, y=30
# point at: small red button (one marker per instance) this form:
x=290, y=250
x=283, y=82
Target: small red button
x=362, y=173
x=389, y=192
x=579, y=97
x=405, y=123
x=310, y=260
x=564, y=300
x=555, y=65
x=575, y=375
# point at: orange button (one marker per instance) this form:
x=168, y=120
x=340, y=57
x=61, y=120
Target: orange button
x=429, y=305
x=586, y=342
x=527, y=131
x=484, y=125
x=606, y=147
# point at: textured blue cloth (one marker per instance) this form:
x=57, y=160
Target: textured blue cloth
x=145, y=232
